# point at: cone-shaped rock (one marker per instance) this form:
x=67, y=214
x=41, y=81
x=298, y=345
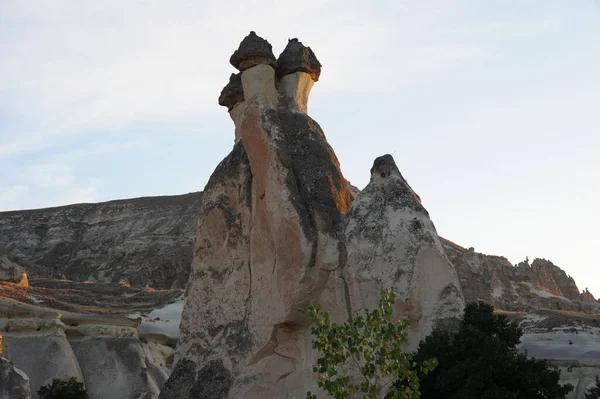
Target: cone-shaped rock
x=298, y=58
x=253, y=50
x=392, y=242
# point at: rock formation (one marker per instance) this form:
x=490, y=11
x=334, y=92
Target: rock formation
x=103, y=351
x=278, y=232
x=392, y=241
x=568, y=340
x=280, y=229
x=144, y=240
x=14, y=383
x=522, y=287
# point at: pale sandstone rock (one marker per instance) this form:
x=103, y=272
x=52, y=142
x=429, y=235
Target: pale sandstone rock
x=14, y=383
x=392, y=243
x=236, y=114
x=259, y=87
x=116, y=368
x=295, y=89
x=569, y=340
x=39, y=346
x=103, y=351
x=298, y=69
x=271, y=242
x=42, y=357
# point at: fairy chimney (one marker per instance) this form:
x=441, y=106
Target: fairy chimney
x=298, y=69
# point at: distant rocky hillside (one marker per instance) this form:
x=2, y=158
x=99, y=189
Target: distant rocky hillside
x=521, y=287
x=149, y=241
x=143, y=240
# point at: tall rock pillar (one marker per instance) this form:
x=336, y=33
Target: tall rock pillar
x=269, y=234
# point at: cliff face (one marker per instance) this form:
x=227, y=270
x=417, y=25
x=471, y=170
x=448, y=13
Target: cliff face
x=143, y=240
x=522, y=287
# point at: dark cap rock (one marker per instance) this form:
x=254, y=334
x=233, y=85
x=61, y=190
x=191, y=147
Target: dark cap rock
x=233, y=92
x=298, y=58
x=253, y=50
x=385, y=166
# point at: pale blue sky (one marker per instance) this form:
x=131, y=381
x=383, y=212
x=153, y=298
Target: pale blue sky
x=490, y=108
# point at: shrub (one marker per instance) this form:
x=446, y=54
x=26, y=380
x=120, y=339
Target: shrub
x=63, y=389
x=365, y=354
x=481, y=360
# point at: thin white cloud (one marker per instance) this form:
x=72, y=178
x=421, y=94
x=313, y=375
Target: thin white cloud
x=51, y=175
x=105, y=65
x=10, y=197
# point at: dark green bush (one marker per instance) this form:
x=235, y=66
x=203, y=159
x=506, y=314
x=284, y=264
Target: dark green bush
x=593, y=392
x=63, y=389
x=481, y=361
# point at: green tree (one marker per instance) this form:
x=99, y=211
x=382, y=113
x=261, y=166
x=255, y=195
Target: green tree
x=593, y=392
x=63, y=389
x=482, y=361
x=365, y=354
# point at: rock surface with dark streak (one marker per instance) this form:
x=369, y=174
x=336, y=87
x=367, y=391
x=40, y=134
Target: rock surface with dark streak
x=273, y=239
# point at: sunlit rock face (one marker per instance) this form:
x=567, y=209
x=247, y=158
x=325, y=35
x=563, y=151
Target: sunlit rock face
x=276, y=234
x=269, y=233
x=14, y=383
x=520, y=287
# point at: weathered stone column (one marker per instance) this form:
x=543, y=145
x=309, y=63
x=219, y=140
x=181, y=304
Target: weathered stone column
x=298, y=69
x=255, y=59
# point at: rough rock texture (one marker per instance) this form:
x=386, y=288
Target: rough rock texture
x=272, y=240
x=233, y=92
x=116, y=368
x=103, y=351
x=142, y=240
x=12, y=268
x=298, y=58
x=14, y=383
x=253, y=51
x=522, y=287
x=569, y=340
x=40, y=348
x=587, y=296
x=9, y=269
x=392, y=242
